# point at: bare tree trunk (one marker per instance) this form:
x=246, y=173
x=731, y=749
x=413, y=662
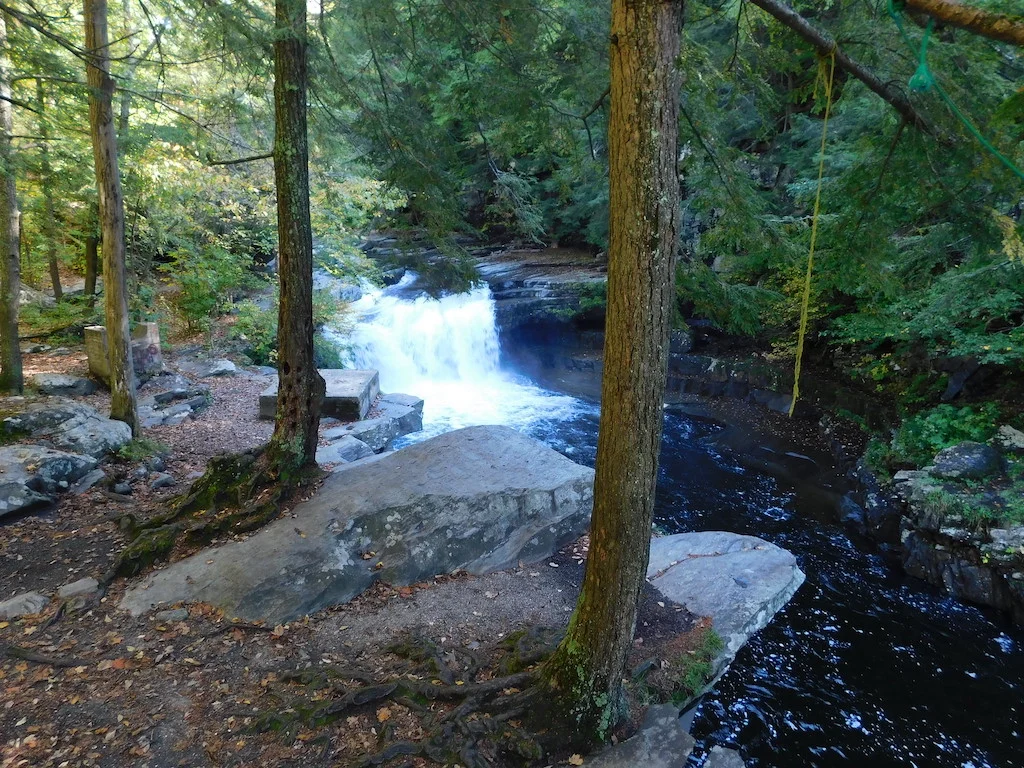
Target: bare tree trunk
x=587, y=669
x=997, y=26
x=300, y=388
x=108, y=184
x=91, y=266
x=49, y=210
x=10, y=270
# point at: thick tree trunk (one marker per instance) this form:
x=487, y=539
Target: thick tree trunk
x=300, y=387
x=49, y=209
x=108, y=185
x=997, y=26
x=587, y=668
x=10, y=269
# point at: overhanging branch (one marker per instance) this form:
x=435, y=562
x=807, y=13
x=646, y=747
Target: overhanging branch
x=997, y=26
x=826, y=45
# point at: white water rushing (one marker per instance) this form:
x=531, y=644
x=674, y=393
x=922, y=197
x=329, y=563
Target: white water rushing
x=447, y=352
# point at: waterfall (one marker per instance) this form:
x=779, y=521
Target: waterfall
x=447, y=352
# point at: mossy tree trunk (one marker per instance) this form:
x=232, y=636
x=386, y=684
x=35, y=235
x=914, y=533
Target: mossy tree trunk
x=586, y=670
x=111, y=204
x=300, y=386
x=10, y=269
x=46, y=181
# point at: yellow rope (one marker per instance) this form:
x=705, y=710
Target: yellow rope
x=805, y=310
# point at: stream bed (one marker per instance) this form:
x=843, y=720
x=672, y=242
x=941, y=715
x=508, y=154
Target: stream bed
x=865, y=667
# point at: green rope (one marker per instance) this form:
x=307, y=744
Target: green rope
x=923, y=81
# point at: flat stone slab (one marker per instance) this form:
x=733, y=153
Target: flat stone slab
x=741, y=582
x=661, y=742
x=478, y=499
x=349, y=395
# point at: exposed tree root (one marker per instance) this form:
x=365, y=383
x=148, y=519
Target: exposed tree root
x=468, y=721
x=238, y=493
x=17, y=652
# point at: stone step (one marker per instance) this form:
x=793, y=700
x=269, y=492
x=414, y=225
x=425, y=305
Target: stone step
x=349, y=395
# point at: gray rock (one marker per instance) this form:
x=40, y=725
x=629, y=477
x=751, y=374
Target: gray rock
x=32, y=296
x=1010, y=440
x=376, y=433
x=70, y=426
x=23, y=605
x=156, y=464
x=720, y=757
x=967, y=460
x=741, y=582
x=348, y=394
x=162, y=480
x=43, y=469
x=406, y=411
x=661, y=742
x=172, y=614
x=344, y=450
x=18, y=497
x=124, y=489
x=90, y=480
x=62, y=384
x=479, y=499
x=82, y=588
x=219, y=368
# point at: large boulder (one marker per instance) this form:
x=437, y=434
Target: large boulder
x=661, y=742
x=479, y=499
x=62, y=384
x=967, y=461
x=69, y=426
x=30, y=473
x=741, y=582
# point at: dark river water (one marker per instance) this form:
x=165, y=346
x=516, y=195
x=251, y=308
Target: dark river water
x=865, y=667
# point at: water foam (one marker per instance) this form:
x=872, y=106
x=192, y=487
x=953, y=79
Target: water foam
x=447, y=352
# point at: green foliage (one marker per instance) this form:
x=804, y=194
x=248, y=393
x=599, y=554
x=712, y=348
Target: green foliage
x=733, y=307
x=73, y=312
x=694, y=669
x=142, y=448
x=256, y=327
x=921, y=436
x=207, y=282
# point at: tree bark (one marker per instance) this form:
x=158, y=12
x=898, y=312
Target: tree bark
x=49, y=209
x=111, y=210
x=997, y=26
x=825, y=44
x=91, y=266
x=11, y=380
x=587, y=669
x=300, y=386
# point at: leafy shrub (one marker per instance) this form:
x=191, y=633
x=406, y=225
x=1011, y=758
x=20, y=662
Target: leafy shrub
x=257, y=327
x=207, y=280
x=921, y=436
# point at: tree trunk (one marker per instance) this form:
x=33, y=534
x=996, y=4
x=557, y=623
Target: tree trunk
x=49, y=210
x=10, y=270
x=91, y=266
x=300, y=386
x=997, y=26
x=108, y=185
x=587, y=669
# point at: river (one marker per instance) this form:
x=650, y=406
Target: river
x=865, y=667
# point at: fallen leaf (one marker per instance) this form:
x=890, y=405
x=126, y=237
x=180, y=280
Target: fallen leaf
x=278, y=631
x=383, y=714
x=575, y=760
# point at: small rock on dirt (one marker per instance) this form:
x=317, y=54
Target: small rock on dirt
x=23, y=605
x=162, y=480
x=62, y=384
x=81, y=588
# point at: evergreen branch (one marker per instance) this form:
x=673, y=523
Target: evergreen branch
x=240, y=160
x=825, y=44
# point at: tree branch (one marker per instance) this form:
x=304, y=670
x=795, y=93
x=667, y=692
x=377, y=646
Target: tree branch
x=240, y=160
x=826, y=44
x=997, y=26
